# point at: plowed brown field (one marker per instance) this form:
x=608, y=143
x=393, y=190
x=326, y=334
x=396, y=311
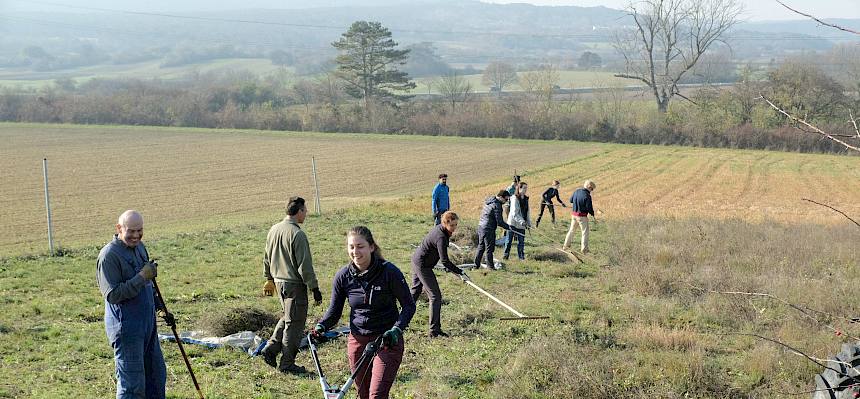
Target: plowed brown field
x=189, y=179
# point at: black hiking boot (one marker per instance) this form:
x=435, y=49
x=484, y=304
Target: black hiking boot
x=438, y=334
x=270, y=355
x=293, y=369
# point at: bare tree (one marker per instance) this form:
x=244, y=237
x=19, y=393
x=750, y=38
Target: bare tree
x=541, y=83
x=303, y=91
x=499, y=75
x=454, y=88
x=669, y=38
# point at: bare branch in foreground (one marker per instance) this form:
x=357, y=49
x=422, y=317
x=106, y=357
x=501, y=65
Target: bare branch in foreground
x=817, y=19
x=809, y=126
x=854, y=122
x=802, y=309
x=834, y=209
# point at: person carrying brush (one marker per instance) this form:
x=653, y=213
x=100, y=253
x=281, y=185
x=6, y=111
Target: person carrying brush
x=373, y=287
x=546, y=202
x=125, y=274
x=434, y=249
x=289, y=271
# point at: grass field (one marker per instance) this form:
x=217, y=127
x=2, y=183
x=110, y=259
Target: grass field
x=25, y=79
x=627, y=323
x=196, y=178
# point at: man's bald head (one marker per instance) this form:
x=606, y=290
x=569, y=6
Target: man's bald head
x=129, y=228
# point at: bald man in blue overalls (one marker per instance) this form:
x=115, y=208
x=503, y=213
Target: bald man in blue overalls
x=125, y=276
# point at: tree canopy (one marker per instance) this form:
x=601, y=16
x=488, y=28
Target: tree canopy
x=368, y=63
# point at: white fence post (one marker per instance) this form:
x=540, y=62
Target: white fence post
x=48, y=207
x=316, y=186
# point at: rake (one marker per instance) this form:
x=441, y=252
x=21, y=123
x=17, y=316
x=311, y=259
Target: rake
x=333, y=391
x=519, y=315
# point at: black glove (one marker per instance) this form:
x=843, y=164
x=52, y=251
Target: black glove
x=317, y=296
x=456, y=270
x=464, y=277
x=168, y=318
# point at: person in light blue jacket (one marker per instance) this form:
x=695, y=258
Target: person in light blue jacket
x=441, y=202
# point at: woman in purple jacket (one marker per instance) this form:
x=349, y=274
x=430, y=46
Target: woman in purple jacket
x=373, y=287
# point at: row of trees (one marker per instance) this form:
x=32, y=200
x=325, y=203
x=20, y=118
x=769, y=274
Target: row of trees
x=732, y=117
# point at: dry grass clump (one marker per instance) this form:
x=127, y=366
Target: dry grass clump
x=231, y=321
x=545, y=255
x=650, y=336
x=691, y=287
x=466, y=235
x=559, y=367
x=461, y=257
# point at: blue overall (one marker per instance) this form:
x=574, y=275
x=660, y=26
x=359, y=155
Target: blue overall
x=130, y=322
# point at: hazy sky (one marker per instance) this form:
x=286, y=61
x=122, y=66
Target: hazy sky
x=756, y=9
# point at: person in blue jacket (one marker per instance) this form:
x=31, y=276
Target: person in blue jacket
x=441, y=201
x=125, y=274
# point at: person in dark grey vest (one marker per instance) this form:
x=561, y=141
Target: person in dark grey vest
x=434, y=249
x=491, y=218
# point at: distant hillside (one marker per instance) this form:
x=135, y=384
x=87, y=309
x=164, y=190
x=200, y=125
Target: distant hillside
x=463, y=32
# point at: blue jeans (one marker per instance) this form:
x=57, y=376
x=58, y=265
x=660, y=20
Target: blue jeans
x=438, y=217
x=521, y=242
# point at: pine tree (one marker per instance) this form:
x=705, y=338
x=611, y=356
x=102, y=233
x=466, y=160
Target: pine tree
x=368, y=62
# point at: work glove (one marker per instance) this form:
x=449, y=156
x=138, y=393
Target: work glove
x=269, y=288
x=317, y=296
x=563, y=205
x=149, y=271
x=392, y=337
x=168, y=318
x=456, y=270
x=319, y=330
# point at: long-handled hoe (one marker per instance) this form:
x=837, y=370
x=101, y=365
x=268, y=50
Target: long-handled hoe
x=333, y=391
x=178, y=341
x=519, y=315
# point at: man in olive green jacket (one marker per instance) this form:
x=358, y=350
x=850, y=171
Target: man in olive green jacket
x=289, y=270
